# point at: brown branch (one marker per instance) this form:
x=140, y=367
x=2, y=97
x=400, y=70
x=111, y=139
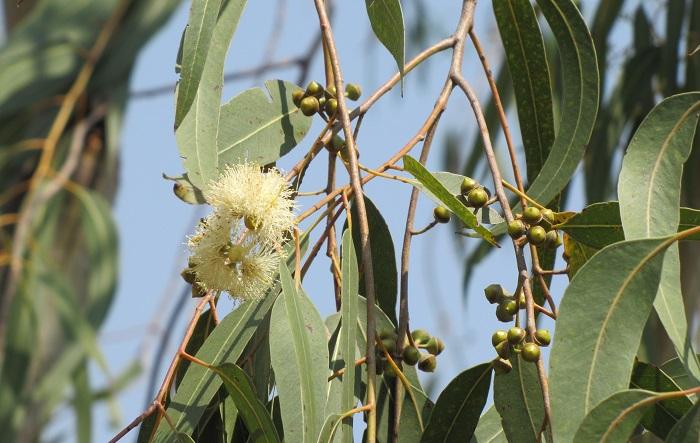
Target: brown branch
x=362, y=216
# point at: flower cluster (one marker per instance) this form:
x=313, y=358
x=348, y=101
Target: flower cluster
x=236, y=248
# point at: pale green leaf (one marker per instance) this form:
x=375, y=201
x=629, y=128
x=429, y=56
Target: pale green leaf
x=260, y=127
x=386, y=18
x=614, y=419
x=518, y=399
x=688, y=428
x=489, y=429
x=348, y=332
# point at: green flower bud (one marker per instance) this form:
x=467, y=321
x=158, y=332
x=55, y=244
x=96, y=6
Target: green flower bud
x=516, y=335
x=501, y=366
x=532, y=215
x=522, y=301
x=536, y=235
x=313, y=88
x=543, y=337
x=411, y=355
x=427, y=363
x=509, y=306
x=494, y=293
x=389, y=344
x=467, y=185
x=502, y=315
x=530, y=352
x=353, y=91
x=420, y=336
x=516, y=228
x=387, y=333
x=297, y=96
x=441, y=214
x=477, y=197
x=331, y=106
x=498, y=337
x=330, y=91
x=552, y=240
x=309, y=106
x=503, y=350
x=435, y=346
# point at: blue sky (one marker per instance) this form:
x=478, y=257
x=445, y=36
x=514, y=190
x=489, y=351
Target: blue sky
x=153, y=223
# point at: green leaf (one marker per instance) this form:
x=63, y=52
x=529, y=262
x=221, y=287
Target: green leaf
x=649, y=189
x=185, y=190
x=576, y=254
x=199, y=34
x=300, y=361
x=386, y=18
x=665, y=414
x=675, y=369
x=348, y=332
x=256, y=417
x=329, y=428
x=459, y=406
x=82, y=403
x=383, y=258
x=518, y=399
x=614, y=419
x=599, y=328
x=688, y=428
x=599, y=224
x=527, y=62
x=489, y=429
x=580, y=100
x=449, y=200
x=260, y=127
x=198, y=126
x=410, y=429
x=225, y=344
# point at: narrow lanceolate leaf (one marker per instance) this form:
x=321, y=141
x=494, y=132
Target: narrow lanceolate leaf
x=614, y=420
x=383, y=258
x=255, y=416
x=580, y=98
x=449, y=200
x=195, y=50
x=386, y=18
x=225, y=344
x=599, y=328
x=664, y=414
x=599, y=224
x=649, y=189
x=259, y=126
x=197, y=129
x=688, y=428
x=518, y=399
x=527, y=62
x=459, y=406
x=489, y=429
x=299, y=354
x=348, y=332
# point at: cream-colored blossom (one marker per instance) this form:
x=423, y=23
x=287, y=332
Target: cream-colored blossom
x=262, y=199
x=228, y=257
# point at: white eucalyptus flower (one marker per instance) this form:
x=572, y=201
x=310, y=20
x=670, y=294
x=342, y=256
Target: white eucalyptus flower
x=228, y=257
x=262, y=199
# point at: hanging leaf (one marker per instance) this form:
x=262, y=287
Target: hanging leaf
x=599, y=224
x=299, y=355
x=580, y=98
x=664, y=414
x=197, y=128
x=527, y=62
x=260, y=127
x=256, y=417
x=688, y=428
x=383, y=257
x=599, y=328
x=348, y=332
x=386, y=18
x=449, y=200
x=649, y=189
x=518, y=399
x=459, y=406
x=489, y=429
x=195, y=50
x=614, y=420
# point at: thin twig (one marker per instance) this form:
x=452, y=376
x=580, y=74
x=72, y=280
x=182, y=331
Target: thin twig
x=362, y=216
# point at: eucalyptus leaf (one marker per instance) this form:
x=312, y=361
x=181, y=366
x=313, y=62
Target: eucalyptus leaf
x=489, y=429
x=433, y=185
x=348, y=332
x=197, y=128
x=260, y=127
x=459, y=406
x=527, y=62
x=599, y=328
x=386, y=18
x=687, y=430
x=580, y=82
x=199, y=34
x=649, y=189
x=614, y=420
x=256, y=417
x=299, y=355
x=517, y=396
